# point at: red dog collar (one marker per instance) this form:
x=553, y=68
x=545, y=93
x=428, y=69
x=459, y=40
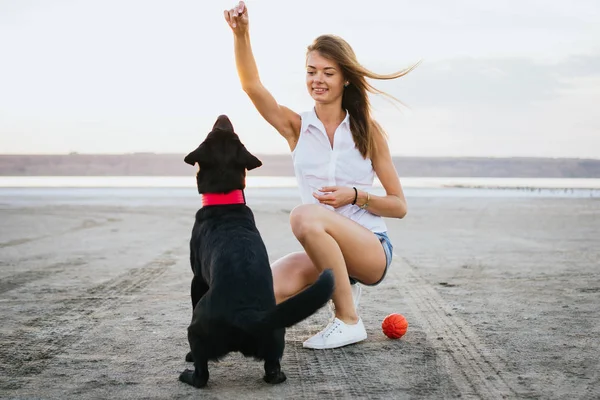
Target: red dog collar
x=217, y=199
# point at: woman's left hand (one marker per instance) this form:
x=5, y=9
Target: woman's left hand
x=335, y=196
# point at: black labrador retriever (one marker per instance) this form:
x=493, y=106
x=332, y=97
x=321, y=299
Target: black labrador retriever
x=232, y=289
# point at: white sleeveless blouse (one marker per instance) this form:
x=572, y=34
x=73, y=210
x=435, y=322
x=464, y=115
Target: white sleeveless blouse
x=317, y=164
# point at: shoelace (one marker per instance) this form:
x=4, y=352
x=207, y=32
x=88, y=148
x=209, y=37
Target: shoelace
x=331, y=328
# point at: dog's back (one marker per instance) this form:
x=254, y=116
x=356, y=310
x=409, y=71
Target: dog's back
x=229, y=254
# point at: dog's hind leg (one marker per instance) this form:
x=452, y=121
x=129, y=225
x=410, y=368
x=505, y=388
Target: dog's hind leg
x=199, y=289
x=197, y=377
x=273, y=352
x=273, y=372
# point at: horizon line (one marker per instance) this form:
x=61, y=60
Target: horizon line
x=139, y=153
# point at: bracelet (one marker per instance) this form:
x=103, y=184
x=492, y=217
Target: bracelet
x=355, y=195
x=366, y=202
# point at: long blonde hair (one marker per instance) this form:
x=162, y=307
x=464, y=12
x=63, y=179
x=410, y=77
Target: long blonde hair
x=355, y=98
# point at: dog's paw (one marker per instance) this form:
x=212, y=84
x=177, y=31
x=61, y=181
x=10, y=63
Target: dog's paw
x=189, y=357
x=275, y=377
x=188, y=376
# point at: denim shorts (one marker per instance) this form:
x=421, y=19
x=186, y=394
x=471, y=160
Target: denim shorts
x=388, y=250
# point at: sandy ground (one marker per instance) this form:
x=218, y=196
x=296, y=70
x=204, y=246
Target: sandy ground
x=502, y=296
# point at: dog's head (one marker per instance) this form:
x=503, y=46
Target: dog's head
x=222, y=160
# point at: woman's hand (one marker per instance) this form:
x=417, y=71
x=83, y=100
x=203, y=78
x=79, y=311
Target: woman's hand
x=335, y=196
x=237, y=18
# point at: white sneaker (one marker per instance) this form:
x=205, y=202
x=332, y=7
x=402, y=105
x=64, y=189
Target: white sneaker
x=356, y=292
x=337, y=334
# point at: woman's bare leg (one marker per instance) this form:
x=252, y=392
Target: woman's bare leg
x=334, y=242
x=292, y=274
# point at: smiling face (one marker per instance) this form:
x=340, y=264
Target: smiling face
x=324, y=78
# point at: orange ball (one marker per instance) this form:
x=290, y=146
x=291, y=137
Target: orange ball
x=394, y=326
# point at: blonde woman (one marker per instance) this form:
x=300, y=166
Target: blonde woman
x=337, y=150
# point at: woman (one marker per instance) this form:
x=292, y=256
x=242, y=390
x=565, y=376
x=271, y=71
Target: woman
x=337, y=150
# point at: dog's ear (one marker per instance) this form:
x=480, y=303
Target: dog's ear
x=202, y=155
x=247, y=159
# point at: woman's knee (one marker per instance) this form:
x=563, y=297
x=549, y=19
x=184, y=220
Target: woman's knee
x=305, y=221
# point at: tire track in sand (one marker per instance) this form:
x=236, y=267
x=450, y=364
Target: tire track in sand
x=14, y=281
x=475, y=370
x=85, y=224
x=333, y=373
x=323, y=379
x=28, y=350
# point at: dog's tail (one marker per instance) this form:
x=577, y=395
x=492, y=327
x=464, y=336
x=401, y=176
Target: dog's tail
x=302, y=305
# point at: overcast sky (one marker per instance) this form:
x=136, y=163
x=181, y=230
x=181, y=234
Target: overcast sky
x=504, y=78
